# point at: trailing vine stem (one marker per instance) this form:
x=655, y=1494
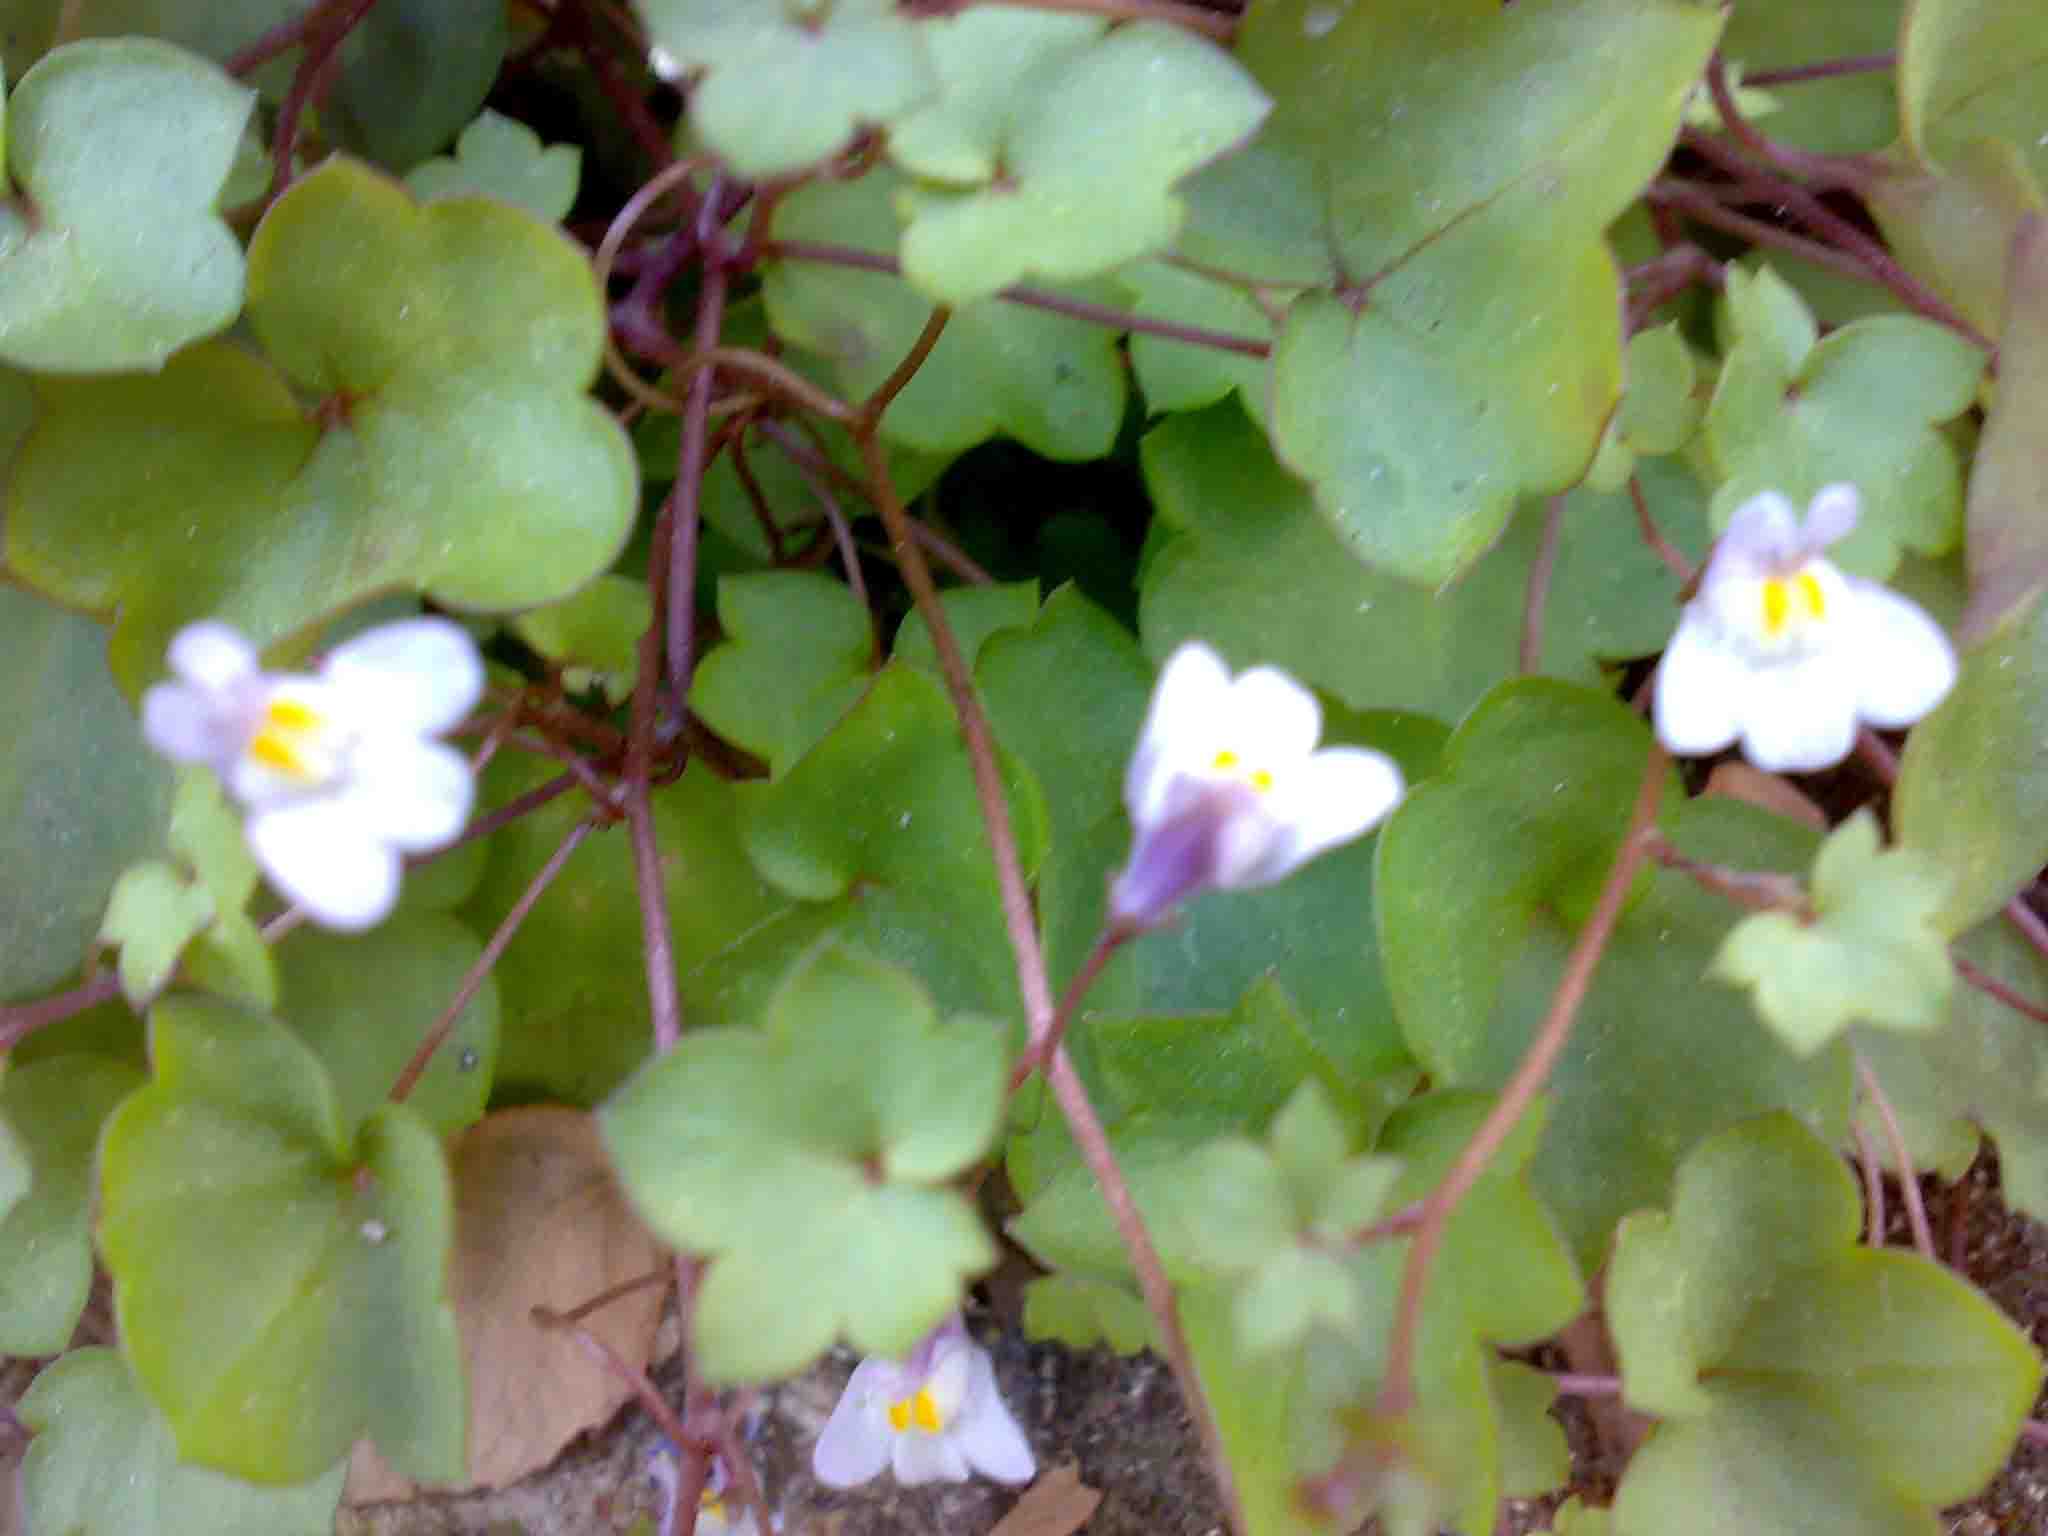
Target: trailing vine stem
x=1397, y=1389
x=473, y=978
x=1068, y=1090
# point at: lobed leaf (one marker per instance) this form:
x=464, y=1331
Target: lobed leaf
x=1805, y=1383
x=111, y=254
x=454, y=451
x=90, y=1416
x=817, y=1145
x=503, y=158
x=257, y=1243
x=1870, y=952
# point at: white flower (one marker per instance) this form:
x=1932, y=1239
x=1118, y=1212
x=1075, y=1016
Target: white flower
x=936, y=1417
x=337, y=770
x=1227, y=790
x=1788, y=654
x=717, y=1515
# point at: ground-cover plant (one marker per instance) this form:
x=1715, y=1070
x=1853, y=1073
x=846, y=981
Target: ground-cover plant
x=1370, y=680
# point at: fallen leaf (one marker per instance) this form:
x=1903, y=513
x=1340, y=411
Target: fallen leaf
x=1058, y=1504
x=538, y=1222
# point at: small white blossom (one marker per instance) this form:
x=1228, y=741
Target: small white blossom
x=1786, y=653
x=337, y=769
x=1228, y=790
x=717, y=1513
x=936, y=1417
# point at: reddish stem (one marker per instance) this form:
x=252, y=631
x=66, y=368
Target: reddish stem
x=1032, y=298
x=1397, y=1390
x=1825, y=69
x=1902, y=1160
x=444, y=1026
x=1536, y=592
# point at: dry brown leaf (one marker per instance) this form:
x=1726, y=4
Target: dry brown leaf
x=539, y=1221
x=1058, y=1504
x=1739, y=781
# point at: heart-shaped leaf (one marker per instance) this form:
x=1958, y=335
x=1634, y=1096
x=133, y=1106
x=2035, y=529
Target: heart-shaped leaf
x=785, y=84
x=111, y=254
x=1792, y=414
x=502, y=158
x=797, y=655
x=1806, y=1383
x=54, y=1109
x=1870, y=951
x=452, y=450
x=257, y=1245
x=817, y=1145
x=90, y=1416
x=1069, y=126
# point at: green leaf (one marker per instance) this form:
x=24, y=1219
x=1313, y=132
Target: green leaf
x=1838, y=115
x=1077, y=125
x=786, y=84
x=152, y=915
x=1052, y=382
x=87, y=797
x=1973, y=784
x=1972, y=70
x=2007, y=545
x=1870, y=952
x=1177, y=375
x=257, y=1246
x=55, y=1108
x=573, y=1002
x=91, y=1417
x=365, y=1036
x=1660, y=410
x=1474, y=1299
x=1982, y=1070
x=798, y=653
x=111, y=254
x=1253, y=570
x=878, y=827
x=1472, y=351
x=1485, y=874
x=1806, y=1383
x=1793, y=415
x=499, y=157
x=817, y=1145
x=454, y=452
x=1163, y=1086
x=975, y=615
x=1952, y=226
x=1082, y=1312
x=980, y=56
x=412, y=73
x=594, y=635
x=1274, y=1222
x=1533, y=1455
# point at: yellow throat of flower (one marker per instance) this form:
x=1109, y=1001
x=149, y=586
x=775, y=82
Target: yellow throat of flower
x=1792, y=602
x=1229, y=762
x=288, y=741
x=918, y=1412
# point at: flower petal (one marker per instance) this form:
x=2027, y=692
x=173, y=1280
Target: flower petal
x=1701, y=684
x=1799, y=716
x=1338, y=794
x=420, y=675
x=854, y=1445
x=318, y=853
x=414, y=794
x=212, y=655
x=1903, y=660
x=186, y=724
x=1187, y=702
x=1762, y=535
x=988, y=1435
x=920, y=1458
x=1275, y=714
x=1831, y=515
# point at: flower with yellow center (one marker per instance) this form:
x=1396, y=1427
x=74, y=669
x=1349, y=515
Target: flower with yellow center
x=935, y=1417
x=1227, y=788
x=337, y=769
x=1787, y=654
